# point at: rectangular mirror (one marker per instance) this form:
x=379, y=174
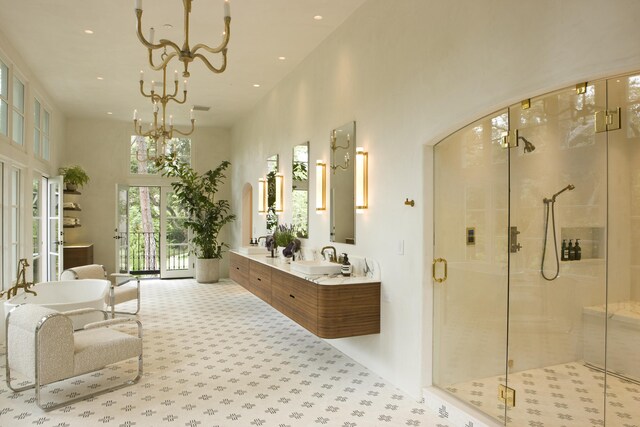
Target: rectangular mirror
x=342, y=180
x=300, y=189
x=272, y=170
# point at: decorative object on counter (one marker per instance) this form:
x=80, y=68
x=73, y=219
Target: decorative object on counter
x=346, y=265
x=74, y=177
x=270, y=244
x=196, y=193
x=285, y=236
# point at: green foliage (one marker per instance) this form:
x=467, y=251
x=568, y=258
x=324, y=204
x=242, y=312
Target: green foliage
x=74, y=175
x=300, y=171
x=284, y=235
x=196, y=194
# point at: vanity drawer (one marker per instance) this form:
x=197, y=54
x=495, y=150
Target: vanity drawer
x=296, y=298
x=239, y=269
x=260, y=280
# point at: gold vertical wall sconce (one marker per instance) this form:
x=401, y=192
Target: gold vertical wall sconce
x=279, y=192
x=262, y=196
x=321, y=186
x=362, y=179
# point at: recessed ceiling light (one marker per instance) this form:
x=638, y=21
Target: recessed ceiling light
x=88, y=31
x=109, y=113
x=256, y=85
x=318, y=17
x=100, y=78
x=281, y=58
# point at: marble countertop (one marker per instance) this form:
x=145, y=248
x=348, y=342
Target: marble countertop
x=284, y=264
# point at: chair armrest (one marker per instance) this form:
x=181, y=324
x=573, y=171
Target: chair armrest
x=124, y=276
x=80, y=311
x=112, y=322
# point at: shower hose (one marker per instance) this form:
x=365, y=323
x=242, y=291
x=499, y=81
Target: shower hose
x=548, y=202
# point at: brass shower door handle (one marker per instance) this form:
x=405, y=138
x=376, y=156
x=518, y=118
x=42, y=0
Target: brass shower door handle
x=433, y=270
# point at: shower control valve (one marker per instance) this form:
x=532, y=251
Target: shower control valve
x=513, y=240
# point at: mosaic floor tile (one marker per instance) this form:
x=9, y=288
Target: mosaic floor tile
x=215, y=355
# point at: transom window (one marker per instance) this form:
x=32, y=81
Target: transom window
x=18, y=111
x=41, y=120
x=4, y=99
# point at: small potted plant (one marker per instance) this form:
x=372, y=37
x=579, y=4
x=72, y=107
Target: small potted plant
x=74, y=177
x=285, y=237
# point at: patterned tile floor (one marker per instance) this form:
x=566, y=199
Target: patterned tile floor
x=564, y=395
x=215, y=355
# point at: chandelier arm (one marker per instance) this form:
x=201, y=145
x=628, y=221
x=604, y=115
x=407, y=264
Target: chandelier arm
x=223, y=45
x=184, y=98
x=211, y=67
x=193, y=121
x=164, y=63
x=151, y=46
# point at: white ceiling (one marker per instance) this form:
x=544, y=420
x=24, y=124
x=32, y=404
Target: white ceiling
x=49, y=36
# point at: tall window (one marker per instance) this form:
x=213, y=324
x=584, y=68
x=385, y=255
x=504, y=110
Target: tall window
x=142, y=147
x=4, y=99
x=41, y=131
x=18, y=111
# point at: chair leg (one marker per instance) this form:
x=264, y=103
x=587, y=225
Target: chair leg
x=48, y=408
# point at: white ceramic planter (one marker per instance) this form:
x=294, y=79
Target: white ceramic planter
x=207, y=270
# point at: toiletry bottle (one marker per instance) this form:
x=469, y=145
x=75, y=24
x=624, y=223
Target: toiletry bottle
x=564, y=253
x=572, y=253
x=577, y=250
x=346, y=265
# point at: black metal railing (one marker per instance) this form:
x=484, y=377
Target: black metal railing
x=141, y=252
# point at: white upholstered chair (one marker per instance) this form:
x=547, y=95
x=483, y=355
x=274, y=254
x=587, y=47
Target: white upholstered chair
x=122, y=290
x=42, y=347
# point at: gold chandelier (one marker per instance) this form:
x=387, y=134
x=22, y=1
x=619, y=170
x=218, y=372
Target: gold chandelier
x=159, y=131
x=186, y=54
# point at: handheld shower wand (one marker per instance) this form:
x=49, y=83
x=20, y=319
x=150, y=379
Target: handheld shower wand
x=551, y=202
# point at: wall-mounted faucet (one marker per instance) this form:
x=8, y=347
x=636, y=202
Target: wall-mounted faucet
x=332, y=258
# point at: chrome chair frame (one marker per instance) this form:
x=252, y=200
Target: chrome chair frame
x=94, y=325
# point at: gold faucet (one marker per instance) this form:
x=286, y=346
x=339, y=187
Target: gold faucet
x=333, y=258
x=22, y=275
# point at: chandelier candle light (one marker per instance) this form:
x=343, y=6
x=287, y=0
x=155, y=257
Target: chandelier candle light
x=186, y=54
x=161, y=131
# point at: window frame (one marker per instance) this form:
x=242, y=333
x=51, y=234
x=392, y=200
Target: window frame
x=42, y=130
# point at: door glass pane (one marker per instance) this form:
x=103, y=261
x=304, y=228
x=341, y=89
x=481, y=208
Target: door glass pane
x=558, y=175
x=623, y=262
x=122, y=230
x=55, y=236
x=470, y=306
x=144, y=230
x=36, y=224
x=177, y=237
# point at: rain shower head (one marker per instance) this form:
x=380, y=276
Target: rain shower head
x=528, y=146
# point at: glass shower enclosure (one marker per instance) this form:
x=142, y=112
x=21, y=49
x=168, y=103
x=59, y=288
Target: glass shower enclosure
x=537, y=218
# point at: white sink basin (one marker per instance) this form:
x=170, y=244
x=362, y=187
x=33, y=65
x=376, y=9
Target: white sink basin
x=253, y=250
x=316, y=267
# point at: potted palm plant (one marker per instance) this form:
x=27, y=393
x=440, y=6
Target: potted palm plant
x=73, y=177
x=196, y=194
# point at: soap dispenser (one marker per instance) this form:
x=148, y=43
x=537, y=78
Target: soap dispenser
x=572, y=254
x=577, y=250
x=346, y=265
x=565, y=252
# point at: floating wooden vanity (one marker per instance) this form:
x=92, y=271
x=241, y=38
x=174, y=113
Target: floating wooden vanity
x=327, y=310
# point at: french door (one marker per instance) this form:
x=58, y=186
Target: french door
x=55, y=231
x=150, y=235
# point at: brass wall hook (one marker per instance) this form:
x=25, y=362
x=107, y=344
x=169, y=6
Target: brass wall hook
x=408, y=202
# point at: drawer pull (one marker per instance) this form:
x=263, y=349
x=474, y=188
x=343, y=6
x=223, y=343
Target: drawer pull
x=237, y=268
x=291, y=296
x=259, y=279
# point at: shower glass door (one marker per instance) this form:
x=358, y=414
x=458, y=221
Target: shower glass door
x=556, y=340
x=470, y=291
x=623, y=262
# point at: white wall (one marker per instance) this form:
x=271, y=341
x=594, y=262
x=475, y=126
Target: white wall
x=102, y=148
x=409, y=73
